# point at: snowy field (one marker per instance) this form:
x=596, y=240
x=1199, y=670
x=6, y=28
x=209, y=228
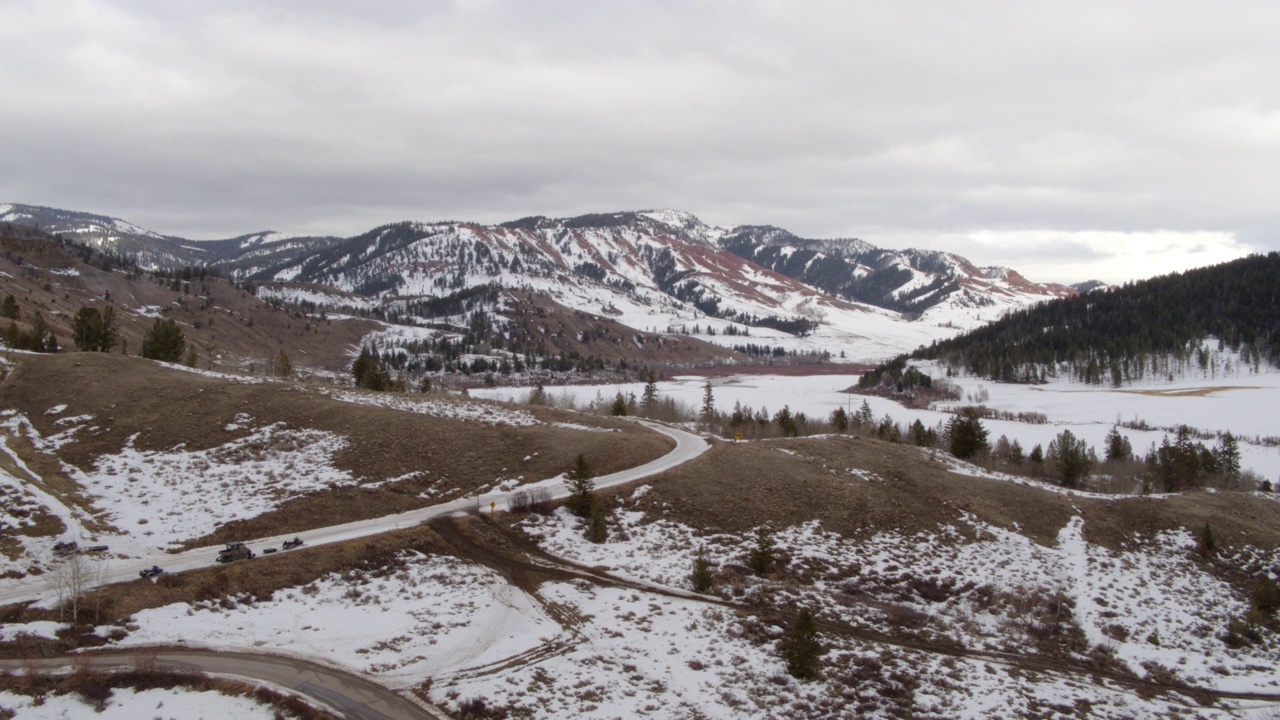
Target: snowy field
x=576, y=649
x=1239, y=402
x=127, y=704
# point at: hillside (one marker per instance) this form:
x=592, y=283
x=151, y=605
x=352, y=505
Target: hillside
x=146, y=456
x=654, y=271
x=1151, y=328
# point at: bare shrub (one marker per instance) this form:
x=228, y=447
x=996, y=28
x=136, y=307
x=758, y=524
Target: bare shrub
x=519, y=502
x=540, y=500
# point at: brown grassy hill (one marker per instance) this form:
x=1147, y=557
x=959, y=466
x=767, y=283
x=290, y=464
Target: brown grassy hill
x=230, y=329
x=735, y=487
x=161, y=408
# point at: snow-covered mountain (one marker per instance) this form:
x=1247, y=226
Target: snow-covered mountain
x=660, y=271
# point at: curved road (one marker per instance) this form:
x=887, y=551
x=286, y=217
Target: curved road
x=688, y=446
x=349, y=695
x=343, y=693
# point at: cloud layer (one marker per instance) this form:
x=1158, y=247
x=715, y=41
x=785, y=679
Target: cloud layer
x=1118, y=140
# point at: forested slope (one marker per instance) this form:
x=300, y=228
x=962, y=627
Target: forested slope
x=1125, y=333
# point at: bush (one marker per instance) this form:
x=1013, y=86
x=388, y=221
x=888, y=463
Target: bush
x=164, y=341
x=760, y=559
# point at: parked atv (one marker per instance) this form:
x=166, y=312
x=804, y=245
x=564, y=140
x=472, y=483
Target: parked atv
x=150, y=572
x=290, y=544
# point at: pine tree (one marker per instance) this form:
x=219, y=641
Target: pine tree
x=619, y=405
x=284, y=368
x=760, y=559
x=968, y=435
x=1207, y=543
x=1068, y=456
x=840, y=420
x=9, y=308
x=700, y=576
x=650, y=396
x=786, y=421
x=864, y=417
x=581, y=487
x=1266, y=596
x=708, y=403
x=86, y=329
x=164, y=341
x=800, y=648
x=1118, y=447
x=1228, y=457
x=597, y=529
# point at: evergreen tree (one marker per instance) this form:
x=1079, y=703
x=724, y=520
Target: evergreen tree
x=190, y=359
x=701, y=576
x=863, y=418
x=801, y=649
x=581, y=487
x=1266, y=596
x=708, y=403
x=1068, y=457
x=619, y=405
x=786, y=421
x=9, y=307
x=760, y=559
x=597, y=529
x=284, y=368
x=109, y=335
x=369, y=372
x=1118, y=447
x=86, y=329
x=650, y=396
x=1207, y=543
x=36, y=335
x=164, y=341
x=968, y=434
x=1227, y=456
x=840, y=420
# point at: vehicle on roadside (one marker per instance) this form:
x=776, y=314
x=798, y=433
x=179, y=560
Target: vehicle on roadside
x=234, y=551
x=150, y=572
x=66, y=547
x=290, y=544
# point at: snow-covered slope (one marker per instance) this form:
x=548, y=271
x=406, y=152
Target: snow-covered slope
x=655, y=270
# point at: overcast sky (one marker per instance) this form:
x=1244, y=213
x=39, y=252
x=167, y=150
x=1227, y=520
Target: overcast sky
x=1067, y=140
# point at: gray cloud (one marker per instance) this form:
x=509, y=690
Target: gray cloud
x=899, y=123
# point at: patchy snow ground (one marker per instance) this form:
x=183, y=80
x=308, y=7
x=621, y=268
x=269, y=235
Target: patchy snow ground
x=160, y=498
x=1156, y=607
x=484, y=412
x=127, y=704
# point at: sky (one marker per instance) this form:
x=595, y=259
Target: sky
x=1067, y=140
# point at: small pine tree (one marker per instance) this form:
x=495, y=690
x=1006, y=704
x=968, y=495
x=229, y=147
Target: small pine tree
x=840, y=420
x=619, y=405
x=164, y=341
x=700, y=576
x=650, y=396
x=708, y=403
x=760, y=559
x=801, y=649
x=1207, y=543
x=9, y=307
x=1266, y=596
x=581, y=487
x=191, y=359
x=284, y=368
x=864, y=417
x=597, y=530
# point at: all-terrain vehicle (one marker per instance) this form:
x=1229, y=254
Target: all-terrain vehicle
x=67, y=547
x=150, y=572
x=234, y=551
x=290, y=544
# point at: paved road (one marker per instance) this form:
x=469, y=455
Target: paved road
x=348, y=695
x=688, y=446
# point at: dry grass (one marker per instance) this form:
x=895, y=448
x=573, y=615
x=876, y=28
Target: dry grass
x=735, y=487
x=165, y=408
x=1191, y=392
